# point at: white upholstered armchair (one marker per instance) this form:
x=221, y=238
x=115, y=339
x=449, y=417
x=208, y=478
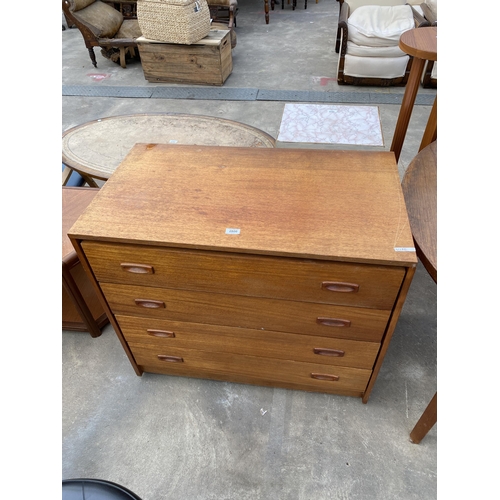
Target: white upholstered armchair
x=368, y=42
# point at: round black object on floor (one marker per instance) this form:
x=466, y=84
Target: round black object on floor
x=95, y=489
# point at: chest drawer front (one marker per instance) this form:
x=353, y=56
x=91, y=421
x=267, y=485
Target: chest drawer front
x=166, y=334
x=247, y=312
x=339, y=283
x=251, y=369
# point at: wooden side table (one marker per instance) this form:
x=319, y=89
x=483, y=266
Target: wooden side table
x=420, y=193
x=421, y=43
x=81, y=309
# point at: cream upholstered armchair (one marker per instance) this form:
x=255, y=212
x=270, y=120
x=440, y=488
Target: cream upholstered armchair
x=368, y=42
x=103, y=26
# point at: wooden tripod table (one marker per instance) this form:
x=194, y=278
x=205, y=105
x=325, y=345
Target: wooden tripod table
x=420, y=193
x=421, y=43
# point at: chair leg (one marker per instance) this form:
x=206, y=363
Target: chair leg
x=92, y=56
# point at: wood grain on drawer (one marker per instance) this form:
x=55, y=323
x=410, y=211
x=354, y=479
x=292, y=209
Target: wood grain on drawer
x=247, y=312
x=242, y=368
x=165, y=334
x=274, y=277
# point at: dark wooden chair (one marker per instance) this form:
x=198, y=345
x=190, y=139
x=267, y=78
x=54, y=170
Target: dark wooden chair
x=103, y=26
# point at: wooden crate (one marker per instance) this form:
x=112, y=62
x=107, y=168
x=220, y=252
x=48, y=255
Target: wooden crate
x=207, y=62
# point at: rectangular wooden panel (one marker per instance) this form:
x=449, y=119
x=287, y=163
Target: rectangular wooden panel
x=207, y=62
x=260, y=276
x=248, y=312
x=268, y=344
x=228, y=366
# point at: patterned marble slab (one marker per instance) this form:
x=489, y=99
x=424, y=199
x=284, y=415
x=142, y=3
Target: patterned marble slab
x=331, y=124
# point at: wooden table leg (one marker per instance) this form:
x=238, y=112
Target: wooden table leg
x=407, y=106
x=89, y=180
x=430, y=133
x=426, y=421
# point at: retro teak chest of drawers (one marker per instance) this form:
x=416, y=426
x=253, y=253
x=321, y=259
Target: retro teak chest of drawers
x=278, y=267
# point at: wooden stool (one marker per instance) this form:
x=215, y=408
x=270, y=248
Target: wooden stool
x=421, y=43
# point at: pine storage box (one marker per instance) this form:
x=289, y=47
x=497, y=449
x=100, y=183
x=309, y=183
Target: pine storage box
x=207, y=62
x=174, y=21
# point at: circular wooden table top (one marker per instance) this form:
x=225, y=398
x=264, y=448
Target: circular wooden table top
x=420, y=193
x=420, y=42
x=96, y=148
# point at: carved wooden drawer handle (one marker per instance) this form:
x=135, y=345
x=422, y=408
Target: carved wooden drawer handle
x=150, y=304
x=170, y=359
x=160, y=333
x=333, y=322
x=329, y=352
x=338, y=286
x=137, y=268
x=325, y=376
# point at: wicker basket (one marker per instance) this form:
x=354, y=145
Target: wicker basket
x=174, y=21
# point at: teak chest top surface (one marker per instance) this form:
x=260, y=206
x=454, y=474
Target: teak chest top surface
x=341, y=205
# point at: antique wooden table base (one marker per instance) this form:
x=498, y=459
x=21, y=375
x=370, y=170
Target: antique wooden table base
x=96, y=148
x=279, y=267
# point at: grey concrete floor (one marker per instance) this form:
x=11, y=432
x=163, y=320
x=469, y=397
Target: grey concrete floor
x=180, y=438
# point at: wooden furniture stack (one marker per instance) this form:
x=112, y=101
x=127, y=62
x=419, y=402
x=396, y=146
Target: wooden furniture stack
x=278, y=267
